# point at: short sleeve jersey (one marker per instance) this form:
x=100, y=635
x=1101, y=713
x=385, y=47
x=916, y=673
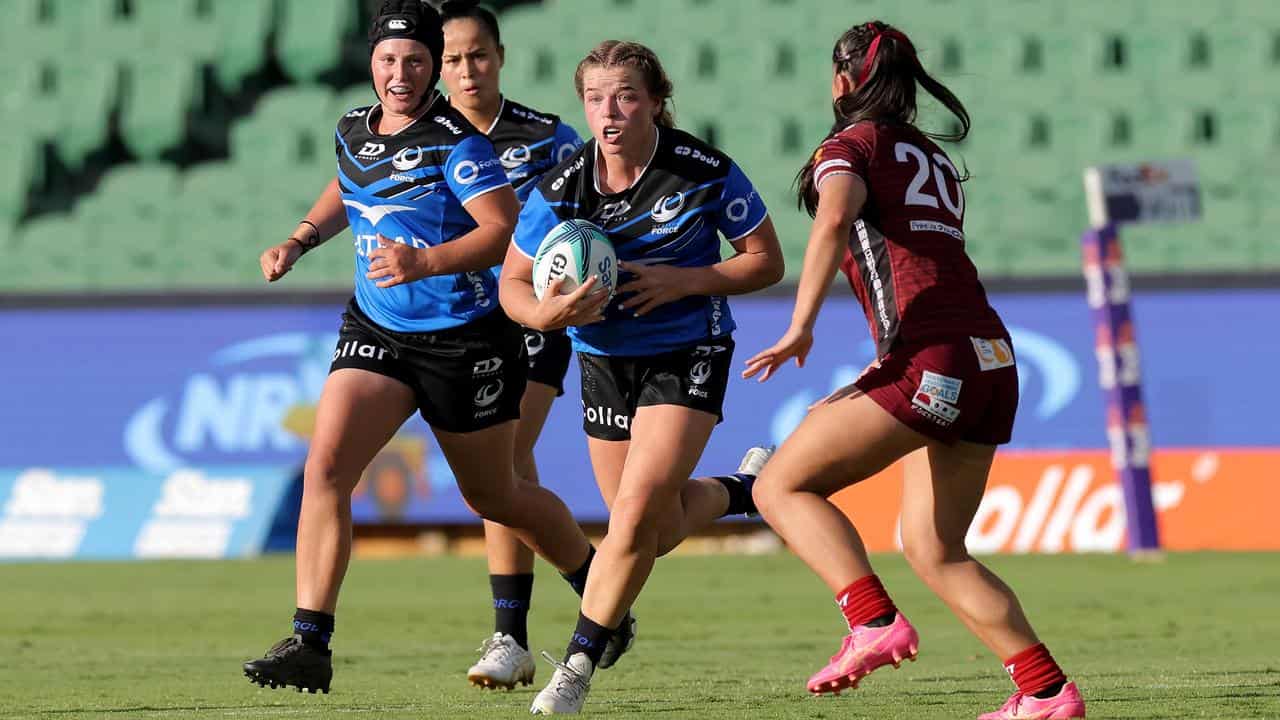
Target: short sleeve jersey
x=529, y=143
x=906, y=258
x=688, y=196
x=411, y=187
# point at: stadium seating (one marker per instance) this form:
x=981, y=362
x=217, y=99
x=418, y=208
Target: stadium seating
x=1051, y=87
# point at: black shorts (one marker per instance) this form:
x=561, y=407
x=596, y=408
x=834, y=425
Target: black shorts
x=613, y=387
x=465, y=378
x=548, y=357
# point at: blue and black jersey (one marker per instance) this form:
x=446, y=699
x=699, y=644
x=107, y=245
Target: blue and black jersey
x=411, y=187
x=529, y=143
x=687, y=197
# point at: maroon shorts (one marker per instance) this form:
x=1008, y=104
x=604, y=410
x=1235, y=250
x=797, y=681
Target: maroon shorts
x=949, y=390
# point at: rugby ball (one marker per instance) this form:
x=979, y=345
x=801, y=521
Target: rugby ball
x=574, y=250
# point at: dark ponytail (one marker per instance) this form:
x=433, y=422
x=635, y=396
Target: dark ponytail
x=883, y=64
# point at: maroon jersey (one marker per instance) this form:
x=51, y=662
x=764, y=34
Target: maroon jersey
x=906, y=260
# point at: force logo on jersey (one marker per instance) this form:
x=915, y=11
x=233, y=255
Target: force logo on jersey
x=667, y=208
x=407, y=159
x=515, y=156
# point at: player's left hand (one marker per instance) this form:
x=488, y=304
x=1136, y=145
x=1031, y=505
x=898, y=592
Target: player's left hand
x=795, y=344
x=396, y=263
x=652, y=285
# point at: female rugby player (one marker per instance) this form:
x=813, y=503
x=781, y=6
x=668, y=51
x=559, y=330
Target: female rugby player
x=655, y=364
x=888, y=209
x=528, y=142
x=431, y=212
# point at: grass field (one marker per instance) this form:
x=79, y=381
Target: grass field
x=1197, y=636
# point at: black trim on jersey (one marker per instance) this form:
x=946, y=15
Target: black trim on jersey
x=876, y=271
x=440, y=126
x=514, y=131
x=680, y=160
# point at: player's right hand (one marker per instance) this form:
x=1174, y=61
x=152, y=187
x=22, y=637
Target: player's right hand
x=279, y=259
x=583, y=306
x=796, y=343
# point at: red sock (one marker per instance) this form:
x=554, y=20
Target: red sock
x=863, y=601
x=1034, y=669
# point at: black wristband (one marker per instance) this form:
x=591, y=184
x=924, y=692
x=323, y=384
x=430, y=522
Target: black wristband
x=305, y=245
x=314, y=229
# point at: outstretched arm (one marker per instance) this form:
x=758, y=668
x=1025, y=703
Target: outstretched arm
x=327, y=218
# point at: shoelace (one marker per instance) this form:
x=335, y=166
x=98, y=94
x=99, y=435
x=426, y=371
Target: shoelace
x=569, y=683
x=284, y=647
x=496, y=645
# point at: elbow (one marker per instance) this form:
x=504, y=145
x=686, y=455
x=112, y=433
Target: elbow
x=775, y=269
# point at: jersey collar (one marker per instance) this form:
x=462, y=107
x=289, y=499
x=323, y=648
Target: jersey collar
x=595, y=167
x=368, y=117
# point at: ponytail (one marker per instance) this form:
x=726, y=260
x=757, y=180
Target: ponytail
x=885, y=69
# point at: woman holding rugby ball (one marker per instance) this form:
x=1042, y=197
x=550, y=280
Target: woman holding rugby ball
x=656, y=362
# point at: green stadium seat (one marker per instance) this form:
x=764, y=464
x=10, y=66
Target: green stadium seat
x=311, y=36
x=243, y=28
x=143, y=191
x=1003, y=16
x=215, y=190
x=348, y=99
x=161, y=93
x=176, y=26
x=304, y=111
x=54, y=259
x=20, y=172
x=94, y=92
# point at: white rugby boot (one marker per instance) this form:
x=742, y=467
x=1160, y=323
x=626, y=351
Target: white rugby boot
x=568, y=688
x=502, y=664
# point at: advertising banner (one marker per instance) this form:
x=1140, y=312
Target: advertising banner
x=1072, y=501
x=146, y=393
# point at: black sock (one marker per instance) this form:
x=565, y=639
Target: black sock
x=511, y=595
x=588, y=638
x=578, y=578
x=1050, y=691
x=578, y=581
x=883, y=620
x=315, y=628
x=738, y=486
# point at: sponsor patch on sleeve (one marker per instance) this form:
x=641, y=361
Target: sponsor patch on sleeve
x=992, y=354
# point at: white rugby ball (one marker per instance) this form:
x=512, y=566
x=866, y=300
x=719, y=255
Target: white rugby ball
x=574, y=250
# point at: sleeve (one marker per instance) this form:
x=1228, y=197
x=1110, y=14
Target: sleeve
x=848, y=153
x=566, y=141
x=536, y=220
x=473, y=169
x=741, y=208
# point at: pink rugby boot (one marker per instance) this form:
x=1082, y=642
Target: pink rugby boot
x=1066, y=705
x=864, y=650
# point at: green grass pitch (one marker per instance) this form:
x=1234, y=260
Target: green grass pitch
x=1196, y=636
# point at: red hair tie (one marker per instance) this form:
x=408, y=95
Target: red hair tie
x=870, y=59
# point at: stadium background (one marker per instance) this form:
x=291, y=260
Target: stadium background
x=153, y=147
x=155, y=394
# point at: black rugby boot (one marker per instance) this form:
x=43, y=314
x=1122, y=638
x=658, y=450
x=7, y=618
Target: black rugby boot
x=290, y=662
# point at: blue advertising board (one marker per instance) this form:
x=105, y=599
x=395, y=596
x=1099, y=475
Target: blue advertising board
x=155, y=391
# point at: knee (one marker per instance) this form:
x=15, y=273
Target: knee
x=927, y=556
x=636, y=519
x=526, y=469
x=322, y=477
x=767, y=494
x=489, y=503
